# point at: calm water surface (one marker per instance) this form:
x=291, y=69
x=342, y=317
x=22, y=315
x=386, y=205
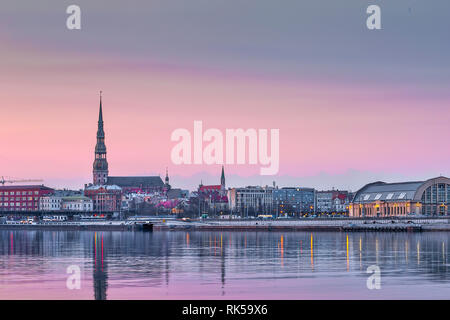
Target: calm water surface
x=223, y=265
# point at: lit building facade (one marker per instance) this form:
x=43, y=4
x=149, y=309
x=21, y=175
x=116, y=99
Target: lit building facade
x=380, y=199
x=294, y=201
x=104, y=198
x=77, y=203
x=324, y=201
x=251, y=201
x=61, y=202
x=54, y=201
x=22, y=198
x=50, y=203
x=332, y=201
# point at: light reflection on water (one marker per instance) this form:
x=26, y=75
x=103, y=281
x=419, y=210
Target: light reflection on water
x=216, y=265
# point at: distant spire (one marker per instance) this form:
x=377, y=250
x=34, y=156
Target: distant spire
x=100, y=132
x=222, y=178
x=100, y=114
x=167, y=176
x=100, y=165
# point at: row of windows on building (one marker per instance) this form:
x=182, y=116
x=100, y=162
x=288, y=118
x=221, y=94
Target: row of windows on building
x=18, y=204
x=390, y=196
x=386, y=211
x=437, y=193
x=23, y=193
x=19, y=198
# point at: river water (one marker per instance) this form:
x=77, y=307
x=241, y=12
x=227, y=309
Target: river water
x=222, y=265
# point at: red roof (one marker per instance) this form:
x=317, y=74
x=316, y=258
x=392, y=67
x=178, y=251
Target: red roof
x=210, y=188
x=27, y=187
x=341, y=196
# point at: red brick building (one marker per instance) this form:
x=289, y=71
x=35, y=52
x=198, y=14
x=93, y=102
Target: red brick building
x=22, y=198
x=105, y=198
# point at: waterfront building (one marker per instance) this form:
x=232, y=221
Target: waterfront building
x=324, y=201
x=128, y=184
x=22, y=198
x=330, y=201
x=293, y=201
x=62, y=200
x=341, y=201
x=77, y=203
x=105, y=198
x=251, y=200
x=380, y=199
x=50, y=202
x=53, y=201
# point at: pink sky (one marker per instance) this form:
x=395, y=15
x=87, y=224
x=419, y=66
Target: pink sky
x=49, y=110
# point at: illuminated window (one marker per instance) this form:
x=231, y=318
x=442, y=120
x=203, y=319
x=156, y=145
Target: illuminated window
x=389, y=196
x=402, y=195
x=378, y=196
x=366, y=197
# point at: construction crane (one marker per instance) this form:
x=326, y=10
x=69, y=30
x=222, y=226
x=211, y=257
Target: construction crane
x=3, y=181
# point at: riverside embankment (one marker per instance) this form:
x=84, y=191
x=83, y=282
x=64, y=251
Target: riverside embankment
x=319, y=224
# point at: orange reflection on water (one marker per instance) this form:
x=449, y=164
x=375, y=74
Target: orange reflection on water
x=95, y=248
x=418, y=252
x=102, y=252
x=312, y=253
x=443, y=253
x=348, y=260
x=360, y=252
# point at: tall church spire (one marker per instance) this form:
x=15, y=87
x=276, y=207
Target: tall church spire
x=167, y=176
x=100, y=166
x=167, y=186
x=100, y=113
x=222, y=178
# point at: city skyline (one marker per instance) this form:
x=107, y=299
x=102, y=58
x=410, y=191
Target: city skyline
x=348, y=110
x=224, y=159
x=323, y=180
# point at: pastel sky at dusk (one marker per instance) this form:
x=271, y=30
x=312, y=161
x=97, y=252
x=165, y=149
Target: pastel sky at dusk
x=352, y=105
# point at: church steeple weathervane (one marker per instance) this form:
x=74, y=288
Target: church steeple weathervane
x=100, y=166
